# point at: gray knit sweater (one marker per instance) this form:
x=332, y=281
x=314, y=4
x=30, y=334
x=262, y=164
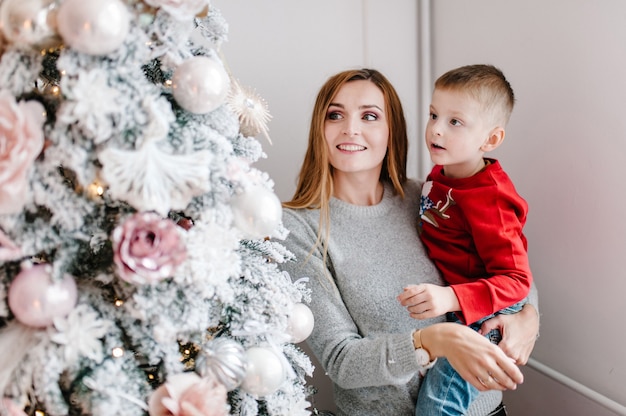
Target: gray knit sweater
x=362, y=336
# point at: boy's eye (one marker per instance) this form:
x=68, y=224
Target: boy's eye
x=433, y=116
x=455, y=122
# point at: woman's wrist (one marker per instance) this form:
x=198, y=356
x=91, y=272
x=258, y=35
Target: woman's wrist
x=422, y=355
x=426, y=338
x=435, y=337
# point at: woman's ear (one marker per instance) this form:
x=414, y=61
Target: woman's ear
x=496, y=136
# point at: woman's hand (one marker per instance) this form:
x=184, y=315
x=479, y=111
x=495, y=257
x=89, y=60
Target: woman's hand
x=519, y=332
x=478, y=361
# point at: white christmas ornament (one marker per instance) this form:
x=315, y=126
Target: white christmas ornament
x=36, y=300
x=29, y=23
x=257, y=211
x=200, y=84
x=300, y=323
x=265, y=372
x=94, y=27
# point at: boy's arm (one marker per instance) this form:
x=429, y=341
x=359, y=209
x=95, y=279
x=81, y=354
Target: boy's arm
x=501, y=245
x=428, y=300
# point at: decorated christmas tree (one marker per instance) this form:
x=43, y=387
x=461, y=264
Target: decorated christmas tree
x=139, y=246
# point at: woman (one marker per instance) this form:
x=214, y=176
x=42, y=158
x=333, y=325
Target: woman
x=352, y=228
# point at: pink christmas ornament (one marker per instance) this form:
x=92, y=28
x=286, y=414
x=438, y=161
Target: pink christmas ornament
x=300, y=323
x=200, y=84
x=30, y=24
x=36, y=300
x=94, y=27
x=265, y=372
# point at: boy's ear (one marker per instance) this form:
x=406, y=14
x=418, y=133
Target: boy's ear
x=496, y=136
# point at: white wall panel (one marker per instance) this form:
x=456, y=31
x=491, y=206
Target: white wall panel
x=566, y=151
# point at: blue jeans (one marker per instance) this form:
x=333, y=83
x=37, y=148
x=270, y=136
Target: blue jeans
x=443, y=391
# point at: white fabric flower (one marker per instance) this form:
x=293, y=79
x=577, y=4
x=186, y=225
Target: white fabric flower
x=80, y=333
x=90, y=103
x=150, y=179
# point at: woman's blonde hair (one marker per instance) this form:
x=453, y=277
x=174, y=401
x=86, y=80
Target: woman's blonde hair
x=315, y=180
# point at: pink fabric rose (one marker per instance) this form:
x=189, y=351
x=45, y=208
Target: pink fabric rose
x=187, y=394
x=21, y=141
x=180, y=9
x=147, y=248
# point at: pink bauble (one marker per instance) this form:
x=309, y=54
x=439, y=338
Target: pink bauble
x=94, y=27
x=29, y=23
x=36, y=300
x=200, y=84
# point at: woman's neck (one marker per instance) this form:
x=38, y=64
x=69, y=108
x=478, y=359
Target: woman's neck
x=358, y=191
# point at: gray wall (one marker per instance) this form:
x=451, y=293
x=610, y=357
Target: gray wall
x=565, y=146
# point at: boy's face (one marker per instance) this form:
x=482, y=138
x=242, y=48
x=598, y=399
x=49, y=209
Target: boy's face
x=456, y=132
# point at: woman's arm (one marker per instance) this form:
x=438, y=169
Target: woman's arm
x=478, y=361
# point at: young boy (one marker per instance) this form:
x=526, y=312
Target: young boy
x=471, y=221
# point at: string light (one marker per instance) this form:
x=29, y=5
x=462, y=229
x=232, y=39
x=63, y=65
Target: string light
x=95, y=190
x=117, y=352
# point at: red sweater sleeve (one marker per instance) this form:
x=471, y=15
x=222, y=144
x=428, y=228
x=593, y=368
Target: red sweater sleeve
x=481, y=249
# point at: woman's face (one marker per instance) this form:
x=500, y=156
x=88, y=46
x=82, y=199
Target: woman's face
x=356, y=129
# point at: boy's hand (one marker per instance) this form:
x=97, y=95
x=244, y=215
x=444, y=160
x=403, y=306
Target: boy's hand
x=427, y=301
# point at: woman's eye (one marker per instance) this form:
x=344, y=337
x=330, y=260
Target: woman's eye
x=333, y=115
x=370, y=117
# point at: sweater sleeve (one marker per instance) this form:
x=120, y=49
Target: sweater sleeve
x=350, y=359
x=496, y=229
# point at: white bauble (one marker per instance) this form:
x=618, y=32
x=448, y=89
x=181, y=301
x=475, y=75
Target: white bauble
x=94, y=27
x=257, y=211
x=265, y=372
x=200, y=84
x=29, y=23
x=300, y=323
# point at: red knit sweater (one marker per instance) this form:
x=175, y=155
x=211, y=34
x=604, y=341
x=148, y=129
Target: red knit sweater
x=472, y=229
